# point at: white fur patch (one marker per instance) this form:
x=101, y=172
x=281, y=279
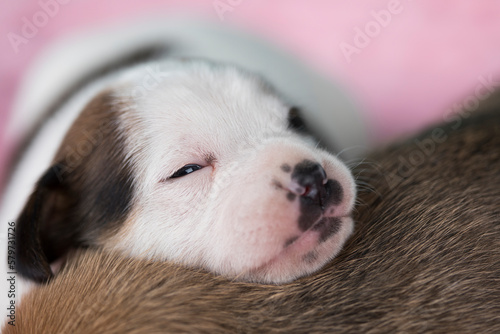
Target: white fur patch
x=228, y=217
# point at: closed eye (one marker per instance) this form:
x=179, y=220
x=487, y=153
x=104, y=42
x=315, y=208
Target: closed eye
x=188, y=169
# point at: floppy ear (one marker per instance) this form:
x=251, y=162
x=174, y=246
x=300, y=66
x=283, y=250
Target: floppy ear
x=45, y=212
x=84, y=197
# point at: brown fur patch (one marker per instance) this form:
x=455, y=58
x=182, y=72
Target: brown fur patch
x=93, y=192
x=94, y=164
x=425, y=258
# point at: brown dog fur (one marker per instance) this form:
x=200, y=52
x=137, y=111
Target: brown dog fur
x=425, y=258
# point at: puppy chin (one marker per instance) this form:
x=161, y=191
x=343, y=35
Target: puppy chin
x=306, y=255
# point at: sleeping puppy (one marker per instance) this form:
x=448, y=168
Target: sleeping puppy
x=209, y=169
x=205, y=165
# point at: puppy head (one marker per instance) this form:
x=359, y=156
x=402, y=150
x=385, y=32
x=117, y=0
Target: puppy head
x=199, y=164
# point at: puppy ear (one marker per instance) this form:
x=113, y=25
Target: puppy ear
x=83, y=198
x=45, y=211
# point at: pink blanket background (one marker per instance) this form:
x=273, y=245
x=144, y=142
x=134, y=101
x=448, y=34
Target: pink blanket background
x=408, y=69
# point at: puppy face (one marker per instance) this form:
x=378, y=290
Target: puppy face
x=202, y=165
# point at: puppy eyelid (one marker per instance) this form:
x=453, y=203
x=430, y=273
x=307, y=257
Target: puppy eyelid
x=185, y=170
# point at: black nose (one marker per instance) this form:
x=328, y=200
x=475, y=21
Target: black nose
x=311, y=180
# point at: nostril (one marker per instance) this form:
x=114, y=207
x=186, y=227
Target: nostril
x=310, y=179
x=310, y=191
x=306, y=192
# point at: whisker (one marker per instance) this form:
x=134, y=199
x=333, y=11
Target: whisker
x=362, y=148
x=363, y=183
x=356, y=163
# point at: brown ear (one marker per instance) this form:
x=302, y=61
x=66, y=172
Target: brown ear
x=86, y=195
x=45, y=211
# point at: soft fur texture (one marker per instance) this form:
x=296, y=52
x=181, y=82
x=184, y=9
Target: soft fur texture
x=425, y=258
x=262, y=203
